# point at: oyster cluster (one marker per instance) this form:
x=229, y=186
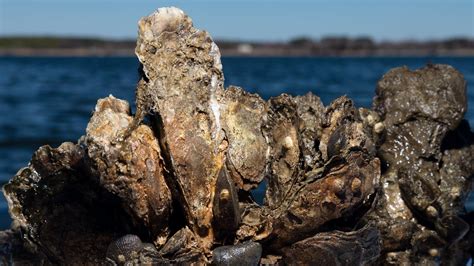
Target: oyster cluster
x=173, y=183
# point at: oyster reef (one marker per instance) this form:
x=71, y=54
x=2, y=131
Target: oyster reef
x=172, y=183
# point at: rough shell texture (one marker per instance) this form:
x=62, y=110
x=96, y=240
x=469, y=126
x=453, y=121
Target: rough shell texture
x=182, y=179
x=335, y=248
x=436, y=92
x=182, y=75
x=242, y=116
x=391, y=215
x=124, y=249
x=428, y=151
x=247, y=253
x=182, y=248
x=132, y=169
x=61, y=211
x=311, y=116
x=343, y=129
x=13, y=251
x=298, y=200
x=226, y=206
x=345, y=186
x=281, y=131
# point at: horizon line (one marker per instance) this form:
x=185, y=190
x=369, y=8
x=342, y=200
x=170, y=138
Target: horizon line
x=243, y=40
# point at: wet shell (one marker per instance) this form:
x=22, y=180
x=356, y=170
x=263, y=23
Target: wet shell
x=226, y=204
x=124, y=249
x=248, y=253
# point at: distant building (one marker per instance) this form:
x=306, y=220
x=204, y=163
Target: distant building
x=245, y=48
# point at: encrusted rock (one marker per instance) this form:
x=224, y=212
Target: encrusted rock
x=392, y=216
x=436, y=92
x=426, y=178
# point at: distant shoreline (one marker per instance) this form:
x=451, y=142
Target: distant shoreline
x=65, y=54
x=301, y=47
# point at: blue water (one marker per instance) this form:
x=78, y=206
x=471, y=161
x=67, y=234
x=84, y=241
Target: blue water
x=49, y=100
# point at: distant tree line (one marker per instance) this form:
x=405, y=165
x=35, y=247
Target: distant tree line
x=63, y=42
x=341, y=45
x=335, y=45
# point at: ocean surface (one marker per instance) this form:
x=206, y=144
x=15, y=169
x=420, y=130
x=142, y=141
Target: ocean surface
x=50, y=100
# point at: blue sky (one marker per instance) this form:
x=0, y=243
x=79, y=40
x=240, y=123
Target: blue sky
x=276, y=20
